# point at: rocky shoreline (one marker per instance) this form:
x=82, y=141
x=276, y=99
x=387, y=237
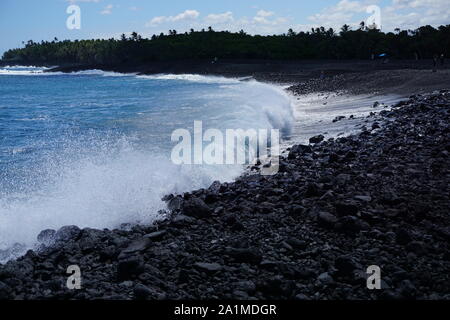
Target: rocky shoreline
x=309, y=233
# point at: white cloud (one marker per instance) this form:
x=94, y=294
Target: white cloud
x=218, y=18
x=339, y=14
x=410, y=14
x=264, y=13
x=404, y=14
x=186, y=15
x=107, y=9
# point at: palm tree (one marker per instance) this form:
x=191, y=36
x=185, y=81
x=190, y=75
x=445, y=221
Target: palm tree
x=345, y=28
x=362, y=25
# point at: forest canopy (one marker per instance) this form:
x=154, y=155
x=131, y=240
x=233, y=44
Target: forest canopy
x=319, y=43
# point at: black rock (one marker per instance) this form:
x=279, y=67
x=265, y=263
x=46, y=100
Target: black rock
x=175, y=204
x=403, y=237
x=137, y=246
x=296, y=243
x=345, y=265
x=46, y=236
x=5, y=292
x=326, y=219
x=142, y=292
x=296, y=209
x=196, y=207
x=351, y=224
x=67, y=233
x=299, y=150
x=346, y=209
x=312, y=190
x=156, y=236
x=208, y=267
x=129, y=267
x=338, y=118
x=316, y=139
x=246, y=255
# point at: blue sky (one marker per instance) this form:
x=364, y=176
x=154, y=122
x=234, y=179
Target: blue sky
x=22, y=20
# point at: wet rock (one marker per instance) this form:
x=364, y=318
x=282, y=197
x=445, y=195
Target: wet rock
x=182, y=220
x=46, y=236
x=316, y=139
x=175, y=204
x=298, y=150
x=137, y=246
x=156, y=236
x=196, y=207
x=67, y=233
x=338, y=118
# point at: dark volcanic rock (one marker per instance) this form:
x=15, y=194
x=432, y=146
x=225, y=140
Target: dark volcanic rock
x=326, y=219
x=129, y=267
x=308, y=232
x=346, y=208
x=316, y=139
x=46, y=236
x=196, y=207
x=5, y=292
x=244, y=255
x=345, y=265
x=208, y=267
x=67, y=233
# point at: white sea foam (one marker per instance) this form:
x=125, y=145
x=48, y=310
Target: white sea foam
x=103, y=182
x=7, y=72
x=100, y=190
x=97, y=72
x=190, y=77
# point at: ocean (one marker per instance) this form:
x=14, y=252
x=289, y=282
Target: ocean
x=93, y=148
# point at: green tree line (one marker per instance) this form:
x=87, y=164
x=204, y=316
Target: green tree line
x=319, y=43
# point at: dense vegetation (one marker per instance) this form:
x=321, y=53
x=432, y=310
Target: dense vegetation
x=319, y=43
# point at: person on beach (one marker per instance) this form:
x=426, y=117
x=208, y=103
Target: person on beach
x=442, y=58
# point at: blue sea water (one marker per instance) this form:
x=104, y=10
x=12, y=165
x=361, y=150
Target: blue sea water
x=92, y=148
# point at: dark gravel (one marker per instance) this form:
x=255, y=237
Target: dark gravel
x=377, y=198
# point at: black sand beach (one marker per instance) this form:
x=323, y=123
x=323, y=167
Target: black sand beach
x=380, y=197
